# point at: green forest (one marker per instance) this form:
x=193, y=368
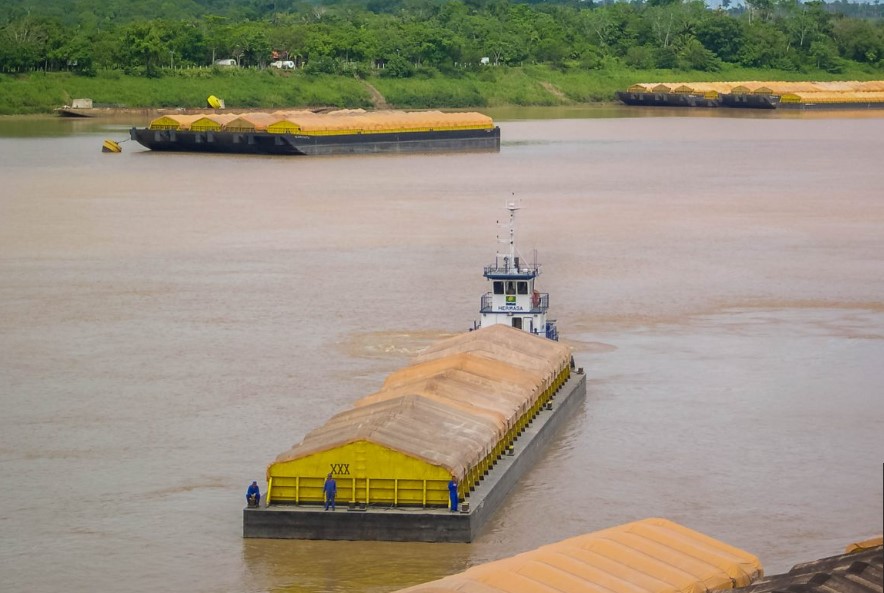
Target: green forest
x=430, y=44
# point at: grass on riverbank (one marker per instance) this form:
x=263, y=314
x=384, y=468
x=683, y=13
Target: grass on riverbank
x=260, y=89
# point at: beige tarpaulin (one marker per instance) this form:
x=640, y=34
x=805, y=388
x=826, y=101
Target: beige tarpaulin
x=649, y=556
x=441, y=435
x=871, y=85
x=488, y=383
x=377, y=121
x=506, y=344
x=335, y=122
x=211, y=123
x=833, y=97
x=777, y=87
x=457, y=388
x=453, y=410
x=173, y=122
x=481, y=367
x=250, y=122
x=702, y=87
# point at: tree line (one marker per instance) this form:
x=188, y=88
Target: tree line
x=401, y=38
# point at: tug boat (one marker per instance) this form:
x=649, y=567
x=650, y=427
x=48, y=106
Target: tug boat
x=514, y=299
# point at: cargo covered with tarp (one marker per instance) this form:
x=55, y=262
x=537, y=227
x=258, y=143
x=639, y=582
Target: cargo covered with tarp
x=479, y=381
x=455, y=389
x=376, y=122
x=870, y=85
x=758, y=87
x=211, y=123
x=641, y=87
x=833, y=97
x=506, y=344
x=449, y=390
x=648, y=556
x=250, y=122
x=287, y=122
x=449, y=415
x=493, y=371
x=408, y=424
x=173, y=122
x=303, y=132
x=401, y=451
x=492, y=375
x=497, y=399
x=697, y=88
x=351, y=121
x=701, y=88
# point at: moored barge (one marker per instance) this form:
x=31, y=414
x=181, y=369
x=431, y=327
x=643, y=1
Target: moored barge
x=758, y=95
x=309, y=133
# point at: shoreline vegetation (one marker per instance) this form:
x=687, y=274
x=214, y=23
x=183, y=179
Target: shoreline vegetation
x=416, y=54
x=268, y=88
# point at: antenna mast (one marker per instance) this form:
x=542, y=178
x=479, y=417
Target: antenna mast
x=509, y=255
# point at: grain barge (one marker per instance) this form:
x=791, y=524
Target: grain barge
x=432, y=454
x=757, y=95
x=653, y=555
x=352, y=131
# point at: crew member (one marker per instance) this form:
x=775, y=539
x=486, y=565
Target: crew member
x=253, y=495
x=452, y=494
x=331, y=489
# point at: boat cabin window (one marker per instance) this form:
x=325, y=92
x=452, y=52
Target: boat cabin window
x=517, y=322
x=510, y=287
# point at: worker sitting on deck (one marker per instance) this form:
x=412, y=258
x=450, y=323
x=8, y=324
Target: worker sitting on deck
x=253, y=495
x=331, y=489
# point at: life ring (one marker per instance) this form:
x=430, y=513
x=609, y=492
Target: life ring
x=535, y=299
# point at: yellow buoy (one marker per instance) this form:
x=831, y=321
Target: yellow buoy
x=215, y=103
x=111, y=146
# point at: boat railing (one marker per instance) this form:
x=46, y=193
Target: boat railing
x=519, y=270
x=539, y=303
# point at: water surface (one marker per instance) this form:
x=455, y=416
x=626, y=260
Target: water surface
x=170, y=323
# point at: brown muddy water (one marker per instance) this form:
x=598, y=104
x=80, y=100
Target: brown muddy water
x=170, y=323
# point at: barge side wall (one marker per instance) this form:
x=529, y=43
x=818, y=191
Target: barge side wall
x=290, y=144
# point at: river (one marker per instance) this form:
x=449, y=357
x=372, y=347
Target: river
x=170, y=323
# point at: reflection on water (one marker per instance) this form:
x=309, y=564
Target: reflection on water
x=290, y=566
x=170, y=323
x=42, y=126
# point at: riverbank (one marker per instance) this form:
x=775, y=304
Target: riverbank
x=485, y=87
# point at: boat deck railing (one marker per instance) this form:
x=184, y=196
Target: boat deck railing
x=538, y=305
x=522, y=269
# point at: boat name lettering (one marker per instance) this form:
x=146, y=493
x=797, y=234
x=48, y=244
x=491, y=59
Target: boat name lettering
x=510, y=308
x=340, y=469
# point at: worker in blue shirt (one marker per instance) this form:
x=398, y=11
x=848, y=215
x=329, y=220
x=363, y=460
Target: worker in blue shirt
x=331, y=489
x=452, y=494
x=253, y=495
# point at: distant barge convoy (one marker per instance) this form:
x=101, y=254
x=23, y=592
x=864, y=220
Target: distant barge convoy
x=432, y=454
x=758, y=95
x=308, y=133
